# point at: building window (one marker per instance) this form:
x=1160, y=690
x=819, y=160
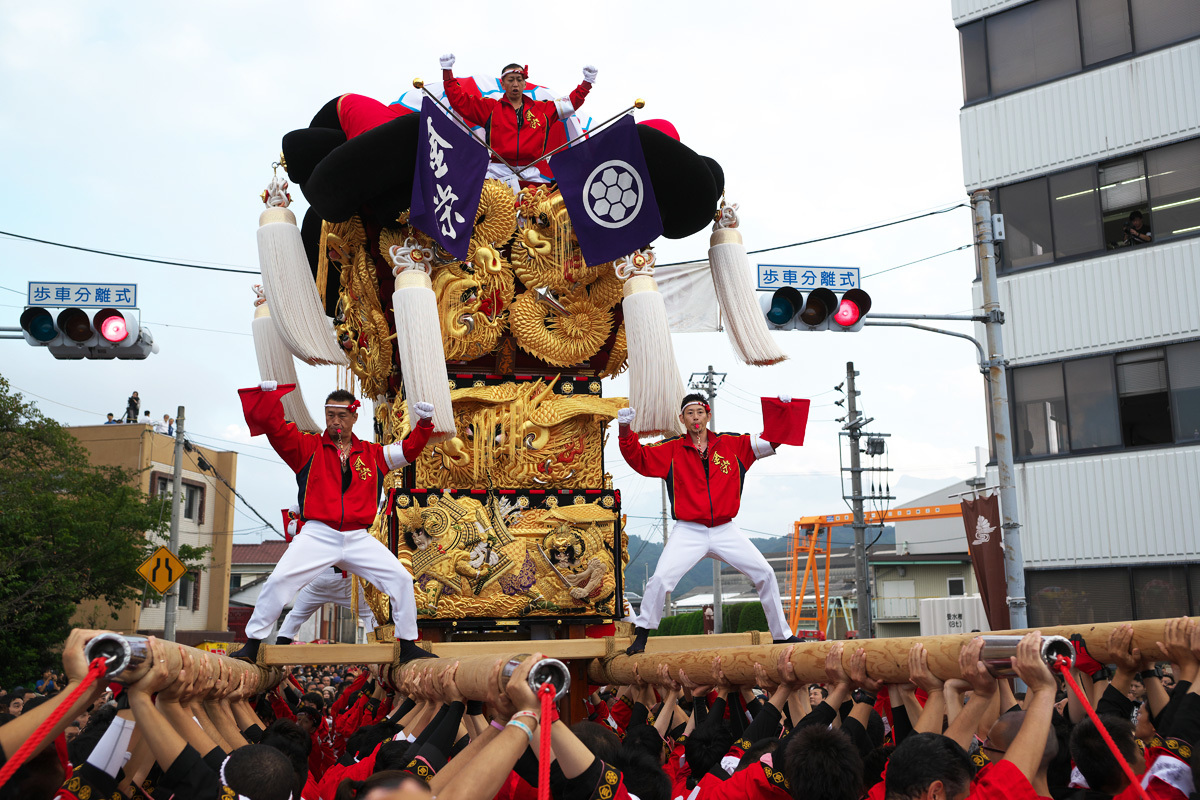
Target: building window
x=1174, y=186
x=956, y=587
x=1157, y=23
x=973, y=48
x=1041, y=410
x=1075, y=213
x=1033, y=43
x=1183, y=367
x=1026, y=209
x=185, y=591
x=1144, y=398
x=193, y=497
x=1075, y=596
x=1093, y=415
x=1048, y=39
x=1089, y=210
x=1133, y=399
x=1104, y=29
x=235, y=582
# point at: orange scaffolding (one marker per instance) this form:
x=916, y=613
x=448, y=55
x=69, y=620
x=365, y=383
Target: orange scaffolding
x=810, y=536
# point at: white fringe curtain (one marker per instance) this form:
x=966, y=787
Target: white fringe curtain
x=422, y=356
x=298, y=313
x=739, y=306
x=655, y=386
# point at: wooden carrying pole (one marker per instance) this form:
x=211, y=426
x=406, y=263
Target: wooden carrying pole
x=265, y=677
x=887, y=659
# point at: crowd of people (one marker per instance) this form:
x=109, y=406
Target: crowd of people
x=133, y=405
x=352, y=734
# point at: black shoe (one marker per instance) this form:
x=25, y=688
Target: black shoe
x=410, y=650
x=639, y=642
x=793, y=639
x=282, y=640
x=248, y=651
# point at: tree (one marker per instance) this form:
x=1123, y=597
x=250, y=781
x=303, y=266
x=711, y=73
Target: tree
x=70, y=531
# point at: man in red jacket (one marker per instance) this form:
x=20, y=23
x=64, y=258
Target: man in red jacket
x=341, y=480
x=518, y=127
x=704, y=473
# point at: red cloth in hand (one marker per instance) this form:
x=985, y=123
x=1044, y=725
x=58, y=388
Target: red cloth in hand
x=257, y=404
x=784, y=423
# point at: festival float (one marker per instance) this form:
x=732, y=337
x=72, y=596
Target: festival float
x=430, y=268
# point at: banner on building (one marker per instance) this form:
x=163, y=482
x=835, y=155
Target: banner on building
x=451, y=166
x=982, y=520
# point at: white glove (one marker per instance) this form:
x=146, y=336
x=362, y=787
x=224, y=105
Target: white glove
x=589, y=73
x=423, y=410
x=447, y=60
x=785, y=398
x=625, y=416
x=268, y=386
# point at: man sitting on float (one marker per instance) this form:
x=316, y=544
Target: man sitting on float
x=518, y=128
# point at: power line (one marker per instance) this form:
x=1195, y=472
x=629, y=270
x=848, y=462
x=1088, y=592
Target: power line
x=919, y=260
x=842, y=234
x=129, y=256
x=189, y=447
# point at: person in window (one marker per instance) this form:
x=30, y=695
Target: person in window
x=1137, y=230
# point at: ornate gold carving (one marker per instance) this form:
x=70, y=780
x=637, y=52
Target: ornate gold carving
x=493, y=558
x=361, y=326
x=519, y=435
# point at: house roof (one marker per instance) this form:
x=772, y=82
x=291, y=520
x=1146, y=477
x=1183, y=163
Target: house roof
x=264, y=553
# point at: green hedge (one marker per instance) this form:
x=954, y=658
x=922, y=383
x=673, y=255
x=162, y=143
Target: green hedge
x=738, y=618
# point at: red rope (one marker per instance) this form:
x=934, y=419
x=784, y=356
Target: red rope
x=97, y=668
x=1064, y=666
x=546, y=695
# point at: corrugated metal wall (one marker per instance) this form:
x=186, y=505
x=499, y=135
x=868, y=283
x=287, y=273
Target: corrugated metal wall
x=1096, y=115
x=1138, y=298
x=1122, y=508
x=963, y=11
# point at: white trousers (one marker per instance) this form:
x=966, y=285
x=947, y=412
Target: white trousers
x=317, y=548
x=689, y=543
x=328, y=587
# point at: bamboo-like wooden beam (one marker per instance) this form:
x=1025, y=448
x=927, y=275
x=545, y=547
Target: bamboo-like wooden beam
x=887, y=659
x=265, y=677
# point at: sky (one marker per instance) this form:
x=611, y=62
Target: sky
x=150, y=128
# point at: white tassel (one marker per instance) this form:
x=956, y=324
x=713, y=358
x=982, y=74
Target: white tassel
x=419, y=338
x=731, y=277
x=275, y=364
x=655, y=387
x=298, y=313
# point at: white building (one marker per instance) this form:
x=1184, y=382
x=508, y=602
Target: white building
x=1077, y=114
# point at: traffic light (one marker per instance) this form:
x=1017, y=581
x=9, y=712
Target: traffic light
x=72, y=334
x=787, y=310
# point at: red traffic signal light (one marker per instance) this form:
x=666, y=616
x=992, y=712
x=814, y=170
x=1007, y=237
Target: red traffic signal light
x=113, y=326
x=852, y=311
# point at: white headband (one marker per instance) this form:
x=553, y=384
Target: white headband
x=523, y=70
x=694, y=403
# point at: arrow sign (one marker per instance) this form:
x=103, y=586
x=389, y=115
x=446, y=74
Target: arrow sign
x=162, y=569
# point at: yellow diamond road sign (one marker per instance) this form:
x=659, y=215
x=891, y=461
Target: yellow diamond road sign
x=162, y=569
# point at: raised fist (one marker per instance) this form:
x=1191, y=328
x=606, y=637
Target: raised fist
x=589, y=73
x=268, y=386
x=447, y=61
x=423, y=410
x=625, y=416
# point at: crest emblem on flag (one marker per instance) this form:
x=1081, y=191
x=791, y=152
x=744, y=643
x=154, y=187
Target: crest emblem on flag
x=613, y=194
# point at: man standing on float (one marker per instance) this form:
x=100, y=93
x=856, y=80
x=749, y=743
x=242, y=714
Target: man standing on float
x=704, y=472
x=341, y=480
x=518, y=127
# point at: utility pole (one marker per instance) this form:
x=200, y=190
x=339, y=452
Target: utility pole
x=176, y=513
x=862, y=587
x=1014, y=560
x=706, y=383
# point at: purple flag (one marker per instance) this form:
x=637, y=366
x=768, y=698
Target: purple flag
x=606, y=188
x=451, y=167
